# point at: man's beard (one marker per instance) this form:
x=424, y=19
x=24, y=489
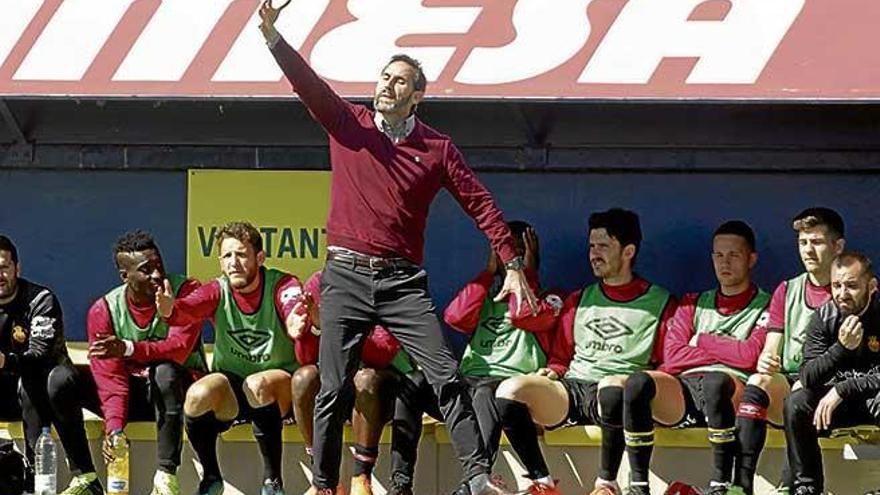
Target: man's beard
x=857, y=308
x=248, y=280
x=10, y=289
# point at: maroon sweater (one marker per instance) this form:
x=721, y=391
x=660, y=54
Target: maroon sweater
x=381, y=191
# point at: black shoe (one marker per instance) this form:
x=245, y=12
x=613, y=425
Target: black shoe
x=485, y=486
x=638, y=490
x=400, y=490
x=716, y=490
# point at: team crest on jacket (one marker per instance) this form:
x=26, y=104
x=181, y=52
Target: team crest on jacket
x=873, y=343
x=18, y=334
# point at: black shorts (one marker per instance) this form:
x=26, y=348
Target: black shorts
x=694, y=402
x=583, y=403
x=245, y=411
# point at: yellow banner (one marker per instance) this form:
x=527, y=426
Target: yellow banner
x=289, y=208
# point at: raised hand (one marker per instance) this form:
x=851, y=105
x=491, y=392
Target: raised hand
x=165, y=300
x=305, y=311
x=850, y=333
x=268, y=15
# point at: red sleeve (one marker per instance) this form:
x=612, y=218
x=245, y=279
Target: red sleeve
x=678, y=356
x=313, y=286
x=379, y=348
x=742, y=354
x=110, y=375
x=323, y=103
x=179, y=343
x=477, y=202
x=463, y=313
x=776, y=321
x=660, y=337
x=288, y=291
x=562, y=350
x=306, y=349
x=198, y=306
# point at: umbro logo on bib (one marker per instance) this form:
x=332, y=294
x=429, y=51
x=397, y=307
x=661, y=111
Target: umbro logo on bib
x=250, y=338
x=609, y=327
x=494, y=324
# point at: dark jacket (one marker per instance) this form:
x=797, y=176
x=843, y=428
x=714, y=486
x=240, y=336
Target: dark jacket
x=827, y=362
x=32, y=330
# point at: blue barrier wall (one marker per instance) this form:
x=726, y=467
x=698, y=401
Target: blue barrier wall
x=64, y=222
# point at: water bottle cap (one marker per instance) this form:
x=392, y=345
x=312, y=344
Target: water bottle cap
x=47, y=429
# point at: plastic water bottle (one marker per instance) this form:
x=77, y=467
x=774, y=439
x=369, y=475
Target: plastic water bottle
x=117, y=470
x=45, y=477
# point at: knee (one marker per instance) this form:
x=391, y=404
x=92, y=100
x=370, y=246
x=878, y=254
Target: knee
x=639, y=390
x=797, y=408
x=512, y=389
x=367, y=382
x=761, y=380
x=199, y=398
x=305, y=381
x=167, y=376
x=611, y=406
x=60, y=382
x=257, y=384
x=718, y=388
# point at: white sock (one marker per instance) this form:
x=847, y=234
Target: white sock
x=546, y=481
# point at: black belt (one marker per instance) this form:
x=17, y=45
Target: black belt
x=377, y=263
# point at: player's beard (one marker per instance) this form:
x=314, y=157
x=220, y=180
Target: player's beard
x=241, y=282
x=7, y=290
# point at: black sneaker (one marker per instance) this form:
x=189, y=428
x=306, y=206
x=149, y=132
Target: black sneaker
x=716, y=490
x=400, y=490
x=638, y=490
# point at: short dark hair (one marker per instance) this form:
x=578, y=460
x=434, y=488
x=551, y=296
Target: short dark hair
x=420, y=82
x=737, y=228
x=620, y=224
x=819, y=216
x=6, y=244
x=847, y=258
x=131, y=242
x=517, y=229
x=242, y=232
